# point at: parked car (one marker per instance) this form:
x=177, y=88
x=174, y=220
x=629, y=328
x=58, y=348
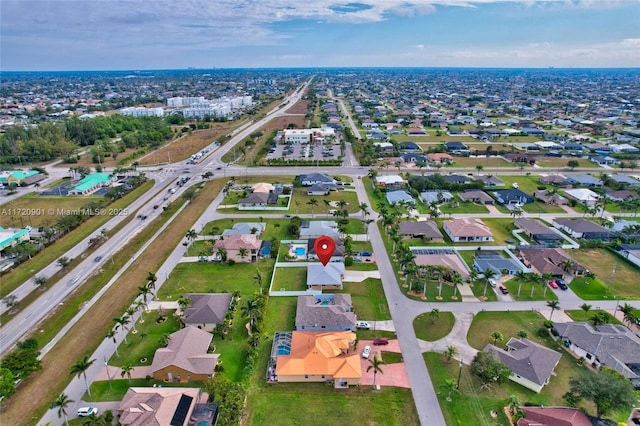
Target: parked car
x=503, y=289
x=87, y=411
x=363, y=325
x=493, y=283
x=365, y=253
x=366, y=352
x=97, y=258
x=380, y=341
x=561, y=281
x=563, y=285
x=552, y=284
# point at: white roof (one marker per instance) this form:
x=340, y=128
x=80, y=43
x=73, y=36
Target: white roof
x=582, y=194
x=389, y=179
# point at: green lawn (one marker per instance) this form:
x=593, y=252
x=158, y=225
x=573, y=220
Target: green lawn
x=590, y=289
x=429, y=330
x=525, y=183
x=540, y=291
x=200, y=246
x=484, y=162
x=461, y=207
x=301, y=207
x=291, y=279
x=579, y=315
x=541, y=207
x=623, y=283
x=369, y=301
x=478, y=290
x=276, y=228
x=500, y=229
x=391, y=358
x=214, y=277
x=144, y=343
x=101, y=390
x=508, y=323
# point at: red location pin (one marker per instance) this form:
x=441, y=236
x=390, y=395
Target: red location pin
x=324, y=247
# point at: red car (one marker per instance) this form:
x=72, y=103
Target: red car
x=552, y=284
x=380, y=341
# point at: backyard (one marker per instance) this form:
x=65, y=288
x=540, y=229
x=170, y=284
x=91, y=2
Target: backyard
x=622, y=278
x=290, y=279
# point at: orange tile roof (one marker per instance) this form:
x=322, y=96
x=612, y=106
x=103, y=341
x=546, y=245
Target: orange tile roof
x=317, y=353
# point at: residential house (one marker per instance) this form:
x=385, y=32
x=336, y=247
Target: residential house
x=390, y=181
x=496, y=263
x=328, y=277
x=437, y=196
x=537, y=231
x=531, y=364
x=440, y=158
x=338, y=253
x=383, y=146
x=314, y=356
x=257, y=201
x=550, y=260
x=457, y=148
x=467, y=230
x=512, y=197
x=317, y=228
x=318, y=190
x=555, y=180
x=459, y=179
x=476, y=196
x=583, y=195
x=166, y=406
x=631, y=252
x=91, y=183
x=427, y=230
x=416, y=131
x=325, y=312
x=622, y=195
x=185, y=358
x=233, y=244
x=582, y=228
x=440, y=257
x=262, y=187
x=399, y=197
x=206, y=310
x=490, y=180
x=551, y=198
x=242, y=228
x=316, y=179
x=607, y=345
x=553, y=416
x=624, y=148
x=604, y=160
x=409, y=147
x=585, y=180
x=624, y=179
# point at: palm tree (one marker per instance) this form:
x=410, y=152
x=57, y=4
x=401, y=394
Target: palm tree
x=222, y=252
x=122, y=322
x=451, y=386
x=126, y=371
x=434, y=314
x=257, y=279
x=553, y=304
x=151, y=280
x=131, y=311
x=450, y=352
x=111, y=334
x=143, y=291
x=191, y=234
x=586, y=308
x=497, y=336
x=183, y=302
x=251, y=311
x=94, y=420
x=61, y=403
x=312, y=202
x=327, y=204
x=80, y=369
x=297, y=205
x=535, y=279
x=376, y=364
x=521, y=277
x=566, y=264
x=489, y=274
x=243, y=252
x=627, y=310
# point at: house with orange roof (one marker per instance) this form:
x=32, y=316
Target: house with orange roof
x=232, y=244
x=319, y=357
x=440, y=157
x=467, y=230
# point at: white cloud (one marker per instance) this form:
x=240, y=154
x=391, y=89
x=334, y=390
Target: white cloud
x=418, y=46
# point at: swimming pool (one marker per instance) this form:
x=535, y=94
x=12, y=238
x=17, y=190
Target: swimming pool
x=325, y=303
x=300, y=251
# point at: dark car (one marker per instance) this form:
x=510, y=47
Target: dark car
x=380, y=341
x=97, y=258
x=503, y=289
x=563, y=285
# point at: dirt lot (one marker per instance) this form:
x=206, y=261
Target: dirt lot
x=299, y=108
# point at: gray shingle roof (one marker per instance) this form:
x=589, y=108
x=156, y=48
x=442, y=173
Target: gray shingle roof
x=427, y=228
x=527, y=359
x=207, y=308
x=325, y=275
x=311, y=313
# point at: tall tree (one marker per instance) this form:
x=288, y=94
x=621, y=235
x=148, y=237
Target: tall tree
x=312, y=202
x=553, y=304
x=243, y=252
x=375, y=364
x=126, y=371
x=434, y=314
x=61, y=403
x=489, y=370
x=111, y=334
x=257, y=279
x=80, y=369
x=450, y=352
x=586, y=308
x=607, y=389
x=496, y=336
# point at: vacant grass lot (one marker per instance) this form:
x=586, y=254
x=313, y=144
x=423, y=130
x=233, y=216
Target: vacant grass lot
x=558, y=162
x=540, y=291
x=482, y=161
x=36, y=211
x=541, y=207
x=299, y=204
x=590, y=289
x=276, y=228
x=462, y=207
x=623, y=283
x=430, y=330
x=525, y=183
x=369, y=302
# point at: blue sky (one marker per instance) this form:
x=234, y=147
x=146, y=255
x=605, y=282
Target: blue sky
x=134, y=34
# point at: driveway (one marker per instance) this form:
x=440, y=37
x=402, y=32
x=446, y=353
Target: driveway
x=392, y=374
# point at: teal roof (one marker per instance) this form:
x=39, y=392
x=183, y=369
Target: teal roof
x=7, y=241
x=20, y=175
x=91, y=181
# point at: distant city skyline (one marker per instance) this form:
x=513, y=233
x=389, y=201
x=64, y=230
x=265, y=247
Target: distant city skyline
x=126, y=35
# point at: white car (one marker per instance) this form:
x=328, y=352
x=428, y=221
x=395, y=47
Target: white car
x=363, y=325
x=366, y=352
x=87, y=411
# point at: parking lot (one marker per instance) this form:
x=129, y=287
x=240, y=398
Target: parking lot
x=306, y=152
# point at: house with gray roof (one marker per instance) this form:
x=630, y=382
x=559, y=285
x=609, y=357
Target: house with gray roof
x=585, y=180
x=427, y=230
x=319, y=189
x=624, y=179
x=605, y=345
x=439, y=197
x=582, y=228
x=476, y=196
x=512, y=196
x=622, y=195
x=316, y=179
x=325, y=277
x=531, y=364
x=490, y=180
x=397, y=197
x=325, y=312
x=257, y=201
x=317, y=228
x=537, y=231
x=243, y=228
x=207, y=310
x=338, y=253
x=498, y=264
x=550, y=260
x=549, y=197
